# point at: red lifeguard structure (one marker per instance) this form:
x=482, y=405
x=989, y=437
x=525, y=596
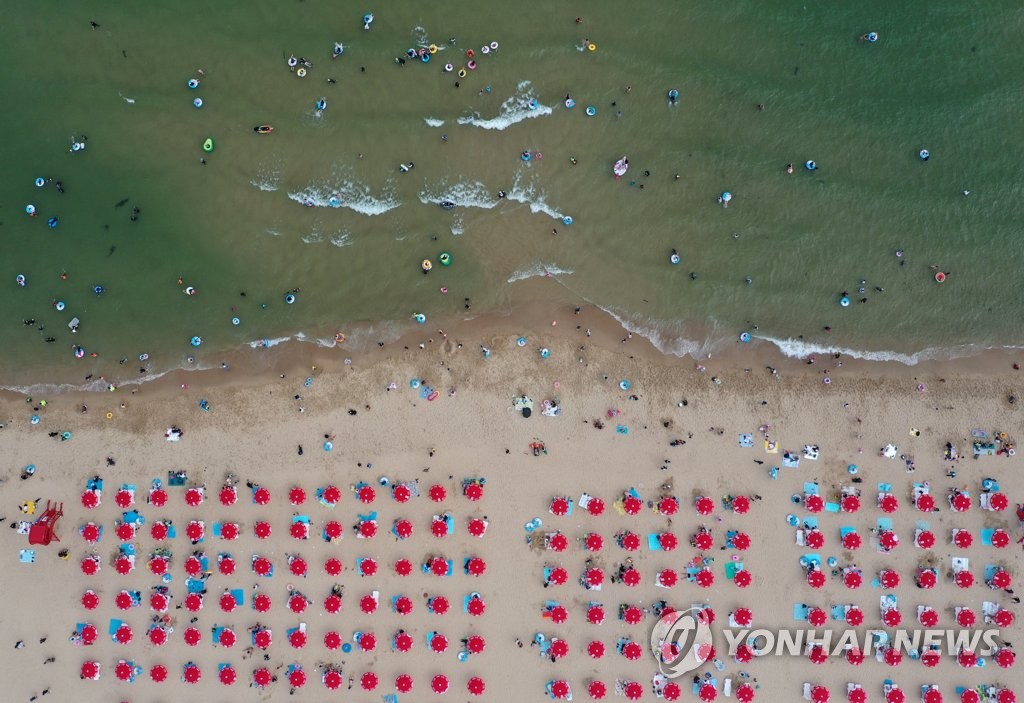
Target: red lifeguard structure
x=43, y=530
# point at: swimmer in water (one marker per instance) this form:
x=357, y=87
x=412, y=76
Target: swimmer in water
x=789, y=168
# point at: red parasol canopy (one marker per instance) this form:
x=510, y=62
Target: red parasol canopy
x=928, y=617
x=191, y=673
x=262, y=529
x=158, y=673
x=296, y=496
x=595, y=615
x=123, y=670
x=1005, y=657
x=403, y=683
x=960, y=502
x=90, y=499
x=366, y=529
x=299, y=530
x=297, y=678
x=1006, y=695
x=817, y=617
x=850, y=504
x=438, y=527
x=667, y=578
x=401, y=493
x=969, y=696
x=888, y=503
x=123, y=634
x=1000, y=579
x=630, y=541
x=1003, y=618
x=888, y=539
x=925, y=539
x=964, y=579
x=815, y=539
x=704, y=505
x=632, y=615
x=333, y=566
x=895, y=695
x=123, y=565
x=669, y=505
x=365, y=494
x=228, y=496
x=297, y=639
x=1000, y=538
x=817, y=654
x=123, y=600
x=261, y=496
x=262, y=638
x=702, y=540
x=158, y=565
x=889, y=578
x=820, y=694
x=90, y=670
x=194, y=602
x=705, y=578
x=193, y=567
x=855, y=616
x=439, y=684
x=593, y=542
x=743, y=654
x=403, y=567
x=368, y=681
x=297, y=565
x=332, y=640
x=194, y=497
x=814, y=503
x=558, y=542
x=437, y=493
x=631, y=577
x=477, y=527
x=476, y=686
x=90, y=532
x=557, y=576
x=332, y=679
x=90, y=601
x=743, y=578
x=261, y=603
x=926, y=578
x=229, y=531
x=592, y=577
x=595, y=507
x=123, y=498
x=475, y=644
x=157, y=636
x=368, y=604
x=855, y=656
x=930, y=658
x=125, y=531
x=368, y=642
x=707, y=693
x=745, y=693
x=998, y=502
x=403, y=642
x=965, y=617
x=559, y=648
x=367, y=566
x=297, y=603
x=192, y=636
x=925, y=503
x=741, y=541
x=439, y=605
x=851, y=579
x=741, y=505
x=476, y=566
x=597, y=690
x=743, y=617
x=559, y=506
x=816, y=579
x=558, y=614
x=967, y=659
x=632, y=651
x=226, y=564
x=158, y=602
x=158, y=497
x=668, y=541
x=195, y=530
x=473, y=491
x=89, y=634
x=892, y=617
x=893, y=657
x=632, y=505
x=227, y=637
x=851, y=540
x=932, y=695
x=403, y=605
x=261, y=677
x=476, y=607
x=560, y=689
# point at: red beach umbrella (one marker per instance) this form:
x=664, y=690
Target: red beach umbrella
x=193, y=567
x=932, y=695
x=998, y=502
x=261, y=496
x=930, y=658
x=1000, y=579
x=158, y=531
x=960, y=502
x=123, y=600
x=745, y=693
x=743, y=578
x=90, y=670
x=439, y=684
x=367, y=567
x=741, y=541
x=333, y=566
x=558, y=542
x=965, y=617
x=437, y=493
x=403, y=683
x=707, y=693
x=855, y=657
x=366, y=529
x=592, y=577
x=439, y=605
x=893, y=657
x=668, y=541
x=299, y=530
x=438, y=566
x=228, y=496
x=476, y=686
x=194, y=497
x=365, y=494
x=91, y=532
x=597, y=690
x=558, y=576
x=226, y=565
x=229, y=531
x=473, y=491
x=438, y=528
x=195, y=530
x=157, y=636
x=630, y=541
x=1006, y=695
x=158, y=602
x=368, y=604
x=125, y=531
x=925, y=539
x=192, y=636
x=595, y=507
x=158, y=565
x=559, y=648
x=403, y=605
x=297, y=604
x=820, y=694
x=227, y=638
x=261, y=603
x=401, y=493
x=298, y=566
x=476, y=607
x=90, y=601
x=368, y=681
x=595, y=615
x=632, y=651
x=704, y=505
x=368, y=642
x=815, y=579
x=1005, y=657
x=888, y=539
x=332, y=603
x=228, y=603
x=889, y=578
x=262, y=638
x=855, y=616
x=851, y=541
x=814, y=503
x=925, y=503
x=475, y=644
x=631, y=577
x=1003, y=618
x=632, y=615
x=850, y=504
x=851, y=579
x=124, y=499
x=817, y=654
x=743, y=617
x=815, y=539
x=403, y=642
x=403, y=567
x=89, y=634
x=928, y=617
x=559, y=506
x=672, y=691
x=964, y=579
x=194, y=602
x=123, y=634
x=332, y=494
x=296, y=496
x=926, y=579
x=297, y=639
x=476, y=566
x=158, y=497
x=892, y=617
x=1000, y=539
x=967, y=659
x=477, y=527
x=632, y=505
x=703, y=541
x=558, y=614
x=705, y=578
x=297, y=678
x=963, y=538
x=123, y=565
x=262, y=529
x=669, y=506
x=261, y=677
x=741, y=505
x=743, y=654
x=123, y=671
x=90, y=500
x=668, y=578
x=889, y=503
x=332, y=680
x=332, y=640
x=895, y=695
x=817, y=617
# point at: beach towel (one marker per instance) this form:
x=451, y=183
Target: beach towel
x=790, y=461
x=653, y=544
x=746, y=440
x=810, y=522
x=808, y=559
x=839, y=613
x=733, y=568
x=986, y=537
x=811, y=488
x=884, y=523
x=800, y=611
x=195, y=585
x=831, y=507
x=27, y=556
x=771, y=447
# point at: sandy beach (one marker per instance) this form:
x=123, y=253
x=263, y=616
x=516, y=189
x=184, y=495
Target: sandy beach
x=606, y=439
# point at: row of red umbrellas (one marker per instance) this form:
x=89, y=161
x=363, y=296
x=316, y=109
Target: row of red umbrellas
x=959, y=501
x=634, y=690
x=667, y=505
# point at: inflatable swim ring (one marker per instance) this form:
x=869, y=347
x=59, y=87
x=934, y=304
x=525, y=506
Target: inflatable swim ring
x=591, y=47
x=197, y=103
x=321, y=104
x=567, y=220
x=810, y=165
x=521, y=342
x=333, y=201
x=924, y=155
x=726, y=196
x=425, y=58
x=59, y=305
x=591, y=110
x=432, y=48
x=30, y=209
x=301, y=73
x=470, y=53
x=744, y=337
x=193, y=83
x=471, y=65
x=40, y=182
x=433, y=395
x=534, y=104
x=20, y=279
x=411, y=53
x=448, y=68
x=293, y=62
x=208, y=145
x=570, y=103
x=97, y=290
x=844, y=302
x=339, y=338
x=673, y=95
x=53, y=222
x=494, y=46
x=196, y=341
x=79, y=352
x=872, y=37
x=545, y=353
x=77, y=146
x=526, y=156
x=235, y=321
x=110, y=416
x=674, y=259
x=940, y=277
x=462, y=73
x=485, y=49
x=143, y=357
x=426, y=265
x=289, y=298
x=445, y=258
x=624, y=385
x=419, y=317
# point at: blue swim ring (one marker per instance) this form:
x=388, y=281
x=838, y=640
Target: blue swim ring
x=425, y=58
x=197, y=103
x=745, y=337
x=196, y=341
x=53, y=222
x=591, y=110
x=30, y=209
x=567, y=220
x=289, y=298
x=624, y=385
x=673, y=95
x=844, y=301
x=521, y=342
x=308, y=382
x=193, y=83
x=35, y=420
x=414, y=383
x=526, y=156
x=40, y=182
x=570, y=103
x=411, y=53
x=545, y=353
x=872, y=37
x=534, y=104
x=852, y=469
x=810, y=165
x=420, y=318
x=98, y=289
x=328, y=446
x=235, y=321
x=59, y=305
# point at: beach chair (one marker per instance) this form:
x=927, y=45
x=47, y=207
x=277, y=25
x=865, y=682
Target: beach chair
x=727, y=688
x=42, y=531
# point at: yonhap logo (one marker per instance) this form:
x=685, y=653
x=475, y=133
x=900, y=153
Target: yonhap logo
x=681, y=642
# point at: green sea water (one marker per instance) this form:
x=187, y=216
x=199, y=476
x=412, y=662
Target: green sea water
x=943, y=75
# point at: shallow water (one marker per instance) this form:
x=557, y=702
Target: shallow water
x=942, y=76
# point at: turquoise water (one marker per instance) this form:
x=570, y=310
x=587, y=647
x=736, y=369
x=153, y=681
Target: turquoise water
x=942, y=76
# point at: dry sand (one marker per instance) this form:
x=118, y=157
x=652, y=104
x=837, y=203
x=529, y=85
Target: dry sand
x=254, y=428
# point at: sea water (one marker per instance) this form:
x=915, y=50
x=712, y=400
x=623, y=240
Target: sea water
x=320, y=206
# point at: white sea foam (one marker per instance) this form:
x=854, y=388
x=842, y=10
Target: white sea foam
x=458, y=228
x=800, y=349
x=433, y=122
x=342, y=238
x=341, y=191
x=529, y=194
x=655, y=332
x=523, y=105
x=539, y=270
x=463, y=194
x=313, y=237
x=267, y=178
